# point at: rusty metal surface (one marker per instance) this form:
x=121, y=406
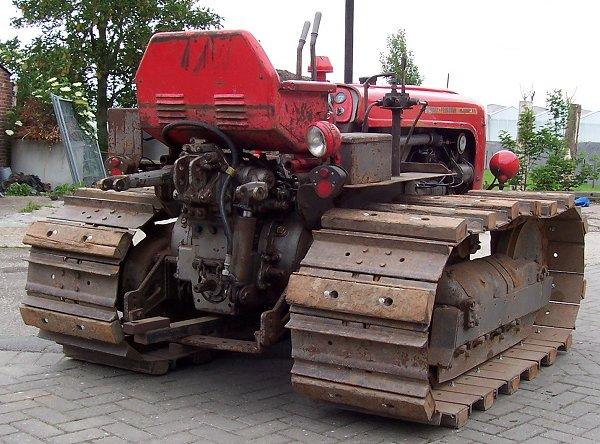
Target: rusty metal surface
x=332, y=325
x=104, y=212
x=72, y=279
x=410, y=225
x=93, y=241
x=403, y=304
x=72, y=325
x=125, y=133
x=217, y=343
x=478, y=221
x=366, y=157
x=177, y=330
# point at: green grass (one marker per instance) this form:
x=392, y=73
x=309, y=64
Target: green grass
x=488, y=178
x=64, y=189
x=19, y=189
x=31, y=207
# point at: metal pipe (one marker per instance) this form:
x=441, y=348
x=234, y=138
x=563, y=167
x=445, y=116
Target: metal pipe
x=241, y=258
x=137, y=180
x=349, y=42
x=313, y=43
x=396, y=127
x=412, y=128
x=301, y=43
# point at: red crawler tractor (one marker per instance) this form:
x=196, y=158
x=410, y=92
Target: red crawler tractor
x=348, y=213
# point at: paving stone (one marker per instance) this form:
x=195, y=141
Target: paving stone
x=523, y=432
x=561, y=427
x=82, y=424
x=481, y=437
x=512, y=419
x=263, y=429
x=565, y=437
x=217, y=435
x=48, y=415
x=127, y=432
x=88, y=412
x=110, y=440
x=19, y=396
x=17, y=405
x=12, y=417
x=37, y=428
x=176, y=438
x=6, y=429
x=80, y=436
x=21, y=438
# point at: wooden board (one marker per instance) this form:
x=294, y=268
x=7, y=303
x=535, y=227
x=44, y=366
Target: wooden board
x=477, y=388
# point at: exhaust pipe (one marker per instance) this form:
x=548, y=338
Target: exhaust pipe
x=301, y=43
x=349, y=42
x=313, y=43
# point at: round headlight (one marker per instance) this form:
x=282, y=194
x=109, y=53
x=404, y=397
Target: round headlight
x=340, y=97
x=461, y=143
x=316, y=142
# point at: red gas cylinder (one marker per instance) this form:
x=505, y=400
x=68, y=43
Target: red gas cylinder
x=504, y=165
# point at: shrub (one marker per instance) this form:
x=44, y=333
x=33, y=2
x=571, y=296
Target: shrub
x=20, y=189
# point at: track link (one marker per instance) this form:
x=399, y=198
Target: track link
x=74, y=278
x=362, y=304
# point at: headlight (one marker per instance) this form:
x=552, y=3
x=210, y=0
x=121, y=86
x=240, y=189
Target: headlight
x=461, y=143
x=323, y=139
x=316, y=142
x=340, y=97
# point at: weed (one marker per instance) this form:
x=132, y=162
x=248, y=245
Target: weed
x=19, y=189
x=31, y=207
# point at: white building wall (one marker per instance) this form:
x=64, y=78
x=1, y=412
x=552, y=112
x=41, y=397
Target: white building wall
x=589, y=127
x=504, y=120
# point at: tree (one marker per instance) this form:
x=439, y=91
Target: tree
x=529, y=145
x=542, y=152
x=391, y=60
x=102, y=42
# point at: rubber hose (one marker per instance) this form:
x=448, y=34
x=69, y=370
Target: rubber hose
x=235, y=159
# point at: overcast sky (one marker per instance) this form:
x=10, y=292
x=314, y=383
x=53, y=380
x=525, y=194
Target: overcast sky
x=492, y=50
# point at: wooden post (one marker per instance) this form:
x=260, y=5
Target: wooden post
x=572, y=131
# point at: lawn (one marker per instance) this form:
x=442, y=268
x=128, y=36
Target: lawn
x=488, y=177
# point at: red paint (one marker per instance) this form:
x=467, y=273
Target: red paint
x=445, y=110
x=332, y=137
x=224, y=78
x=324, y=66
x=504, y=165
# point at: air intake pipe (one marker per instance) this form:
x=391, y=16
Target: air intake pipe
x=301, y=43
x=313, y=43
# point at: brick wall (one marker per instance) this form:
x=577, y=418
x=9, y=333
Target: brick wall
x=6, y=101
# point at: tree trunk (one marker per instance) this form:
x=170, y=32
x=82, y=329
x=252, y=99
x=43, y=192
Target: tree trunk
x=572, y=131
x=102, y=112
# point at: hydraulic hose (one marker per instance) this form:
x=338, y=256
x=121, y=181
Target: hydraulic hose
x=224, y=138
x=235, y=159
